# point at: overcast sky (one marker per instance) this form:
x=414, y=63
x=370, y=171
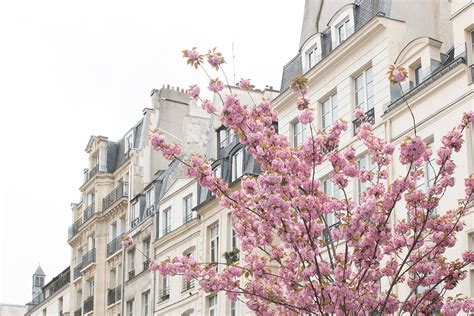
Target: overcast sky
x=70, y=69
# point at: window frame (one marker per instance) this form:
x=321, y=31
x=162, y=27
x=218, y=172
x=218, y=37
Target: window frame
x=364, y=88
x=212, y=310
x=300, y=133
x=333, y=107
x=214, y=243
x=236, y=170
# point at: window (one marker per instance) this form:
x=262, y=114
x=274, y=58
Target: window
x=227, y=136
x=146, y=303
x=313, y=57
x=165, y=288
x=131, y=260
x=78, y=299
x=60, y=305
x=112, y=279
x=364, y=163
x=417, y=72
x=187, y=207
x=79, y=256
x=166, y=221
x=130, y=308
x=214, y=242
x=146, y=248
x=128, y=142
x=234, y=308
x=150, y=197
x=300, y=133
x=237, y=164
x=90, y=198
x=343, y=31
x=332, y=190
x=425, y=181
x=364, y=90
x=90, y=242
x=90, y=287
x=212, y=304
x=235, y=242
x=329, y=112
x=217, y=171
x=112, y=231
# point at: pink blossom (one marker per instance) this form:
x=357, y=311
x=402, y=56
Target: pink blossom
x=306, y=117
x=359, y=114
x=209, y=106
x=193, y=92
x=215, y=85
x=244, y=84
x=127, y=241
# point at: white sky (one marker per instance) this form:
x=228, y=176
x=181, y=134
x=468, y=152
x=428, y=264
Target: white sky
x=70, y=69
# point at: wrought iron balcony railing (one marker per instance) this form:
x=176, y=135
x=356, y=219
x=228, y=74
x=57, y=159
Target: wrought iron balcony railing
x=117, y=193
x=91, y=173
x=187, y=285
x=88, y=258
x=135, y=222
x=368, y=118
x=114, y=245
x=114, y=295
x=74, y=228
x=164, y=294
x=78, y=312
x=187, y=217
x=88, y=304
x=88, y=212
x=149, y=211
x=131, y=274
x=146, y=264
x=77, y=270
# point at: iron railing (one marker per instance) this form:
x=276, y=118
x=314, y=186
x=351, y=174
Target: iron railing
x=149, y=211
x=369, y=117
x=114, y=245
x=78, y=312
x=187, y=285
x=74, y=228
x=77, y=270
x=187, y=217
x=114, y=295
x=117, y=193
x=131, y=274
x=146, y=264
x=164, y=294
x=88, y=304
x=88, y=258
x=166, y=230
x=135, y=222
x=88, y=212
x=91, y=173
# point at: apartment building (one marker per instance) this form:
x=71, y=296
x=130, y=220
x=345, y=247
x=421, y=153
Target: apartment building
x=345, y=51
x=51, y=298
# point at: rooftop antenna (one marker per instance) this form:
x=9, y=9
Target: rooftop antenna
x=233, y=62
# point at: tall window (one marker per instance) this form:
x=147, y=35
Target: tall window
x=90, y=242
x=214, y=242
x=150, y=197
x=364, y=163
x=237, y=164
x=300, y=133
x=312, y=55
x=343, y=31
x=234, y=308
x=112, y=279
x=212, y=303
x=90, y=198
x=112, y=231
x=130, y=308
x=78, y=299
x=364, y=90
x=235, y=243
x=90, y=287
x=217, y=171
x=165, y=288
x=79, y=254
x=332, y=190
x=131, y=260
x=329, y=111
x=425, y=181
x=146, y=248
x=417, y=72
x=166, y=221
x=187, y=207
x=146, y=303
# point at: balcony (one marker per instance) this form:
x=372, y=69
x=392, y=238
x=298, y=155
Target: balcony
x=114, y=245
x=368, y=118
x=166, y=230
x=117, y=193
x=88, y=258
x=164, y=294
x=88, y=212
x=135, y=222
x=74, y=229
x=187, y=285
x=131, y=274
x=77, y=271
x=114, y=295
x=149, y=211
x=78, y=312
x=90, y=173
x=88, y=304
x=188, y=217
x=146, y=264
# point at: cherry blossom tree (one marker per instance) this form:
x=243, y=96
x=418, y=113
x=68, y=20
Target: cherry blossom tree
x=293, y=260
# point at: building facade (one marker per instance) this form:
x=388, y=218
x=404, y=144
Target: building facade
x=345, y=52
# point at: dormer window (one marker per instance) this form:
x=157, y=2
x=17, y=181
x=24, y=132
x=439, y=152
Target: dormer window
x=311, y=52
x=312, y=57
x=227, y=136
x=128, y=142
x=343, y=31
